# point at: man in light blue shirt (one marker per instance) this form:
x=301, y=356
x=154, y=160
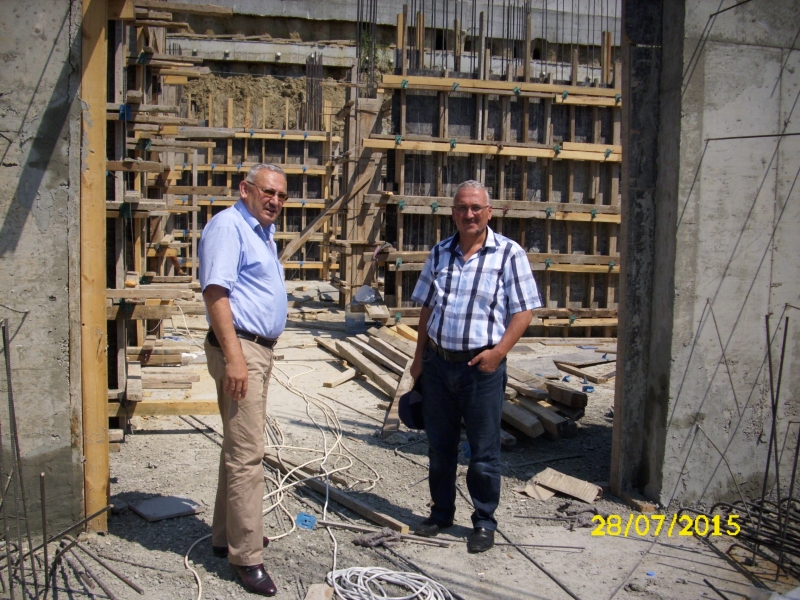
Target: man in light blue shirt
x=245, y=297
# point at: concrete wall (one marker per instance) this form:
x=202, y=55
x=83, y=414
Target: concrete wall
x=709, y=247
x=550, y=16
x=39, y=264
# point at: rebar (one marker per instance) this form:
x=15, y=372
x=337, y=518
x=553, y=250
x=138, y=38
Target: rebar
x=42, y=500
x=105, y=565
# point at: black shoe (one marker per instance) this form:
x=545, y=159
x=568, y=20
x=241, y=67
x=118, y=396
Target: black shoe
x=430, y=527
x=480, y=540
x=222, y=551
x=256, y=580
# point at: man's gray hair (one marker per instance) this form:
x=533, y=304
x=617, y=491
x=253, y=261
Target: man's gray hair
x=251, y=174
x=471, y=184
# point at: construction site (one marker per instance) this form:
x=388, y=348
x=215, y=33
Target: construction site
x=643, y=154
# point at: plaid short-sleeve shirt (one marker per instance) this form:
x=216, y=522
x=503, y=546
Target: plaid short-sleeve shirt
x=473, y=300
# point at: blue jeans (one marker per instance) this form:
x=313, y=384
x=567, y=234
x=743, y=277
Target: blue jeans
x=452, y=391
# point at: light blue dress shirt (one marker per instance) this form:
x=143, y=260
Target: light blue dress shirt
x=237, y=254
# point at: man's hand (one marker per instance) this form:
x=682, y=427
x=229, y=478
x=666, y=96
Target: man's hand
x=235, y=382
x=416, y=367
x=488, y=361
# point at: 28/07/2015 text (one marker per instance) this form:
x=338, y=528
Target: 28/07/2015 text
x=641, y=525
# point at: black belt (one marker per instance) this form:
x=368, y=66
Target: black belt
x=245, y=335
x=451, y=356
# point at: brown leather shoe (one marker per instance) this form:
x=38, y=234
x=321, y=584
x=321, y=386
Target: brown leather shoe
x=256, y=580
x=222, y=551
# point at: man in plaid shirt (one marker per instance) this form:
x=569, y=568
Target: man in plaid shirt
x=477, y=292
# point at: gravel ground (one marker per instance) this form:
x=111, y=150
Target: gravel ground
x=175, y=456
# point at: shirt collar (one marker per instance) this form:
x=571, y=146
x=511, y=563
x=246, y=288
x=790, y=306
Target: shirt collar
x=489, y=242
x=251, y=221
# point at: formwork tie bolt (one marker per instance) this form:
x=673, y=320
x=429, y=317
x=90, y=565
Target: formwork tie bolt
x=404, y=84
x=142, y=58
x=594, y=213
x=455, y=86
x=252, y=133
x=611, y=265
x=398, y=139
x=398, y=263
x=305, y=168
x=547, y=263
x=283, y=134
x=302, y=202
x=211, y=200
x=516, y=90
x=452, y=143
x=572, y=319
x=305, y=134
x=302, y=263
x=548, y=212
x=239, y=167
x=618, y=98
x=401, y=205
x=148, y=145
x=564, y=94
x=184, y=165
x=213, y=166
x=557, y=149
x=607, y=152
x=434, y=207
x=397, y=317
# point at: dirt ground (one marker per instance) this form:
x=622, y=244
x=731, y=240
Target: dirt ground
x=172, y=456
x=272, y=89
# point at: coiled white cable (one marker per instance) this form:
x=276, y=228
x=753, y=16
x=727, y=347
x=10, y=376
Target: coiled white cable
x=366, y=583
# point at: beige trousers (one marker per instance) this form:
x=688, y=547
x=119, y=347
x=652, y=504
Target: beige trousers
x=238, y=522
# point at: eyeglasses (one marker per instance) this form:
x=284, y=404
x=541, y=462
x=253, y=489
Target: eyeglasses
x=475, y=208
x=270, y=193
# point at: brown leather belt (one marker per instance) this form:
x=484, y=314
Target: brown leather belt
x=452, y=356
x=245, y=335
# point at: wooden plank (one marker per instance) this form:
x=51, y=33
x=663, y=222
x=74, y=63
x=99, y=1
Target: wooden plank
x=555, y=425
x=92, y=235
x=391, y=421
x=542, y=366
x=166, y=385
x=213, y=190
x=528, y=390
x=492, y=87
x=143, y=293
x=394, y=340
x=342, y=378
x=138, y=312
x=133, y=390
x=372, y=354
x=366, y=366
x=377, y=312
x=148, y=375
x=570, y=412
x=581, y=373
x=389, y=351
x=121, y=10
x=496, y=150
x=571, y=486
x=159, y=350
x=406, y=332
x=160, y=408
x=522, y=420
x=135, y=166
x=566, y=395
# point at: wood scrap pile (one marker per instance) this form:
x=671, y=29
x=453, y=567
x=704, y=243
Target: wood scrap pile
x=537, y=401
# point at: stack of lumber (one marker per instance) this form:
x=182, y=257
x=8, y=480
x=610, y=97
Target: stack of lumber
x=537, y=403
